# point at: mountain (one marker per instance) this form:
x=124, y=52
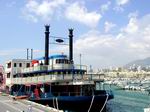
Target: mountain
x=142, y=63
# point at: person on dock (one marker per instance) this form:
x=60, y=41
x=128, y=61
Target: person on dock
x=14, y=99
x=29, y=108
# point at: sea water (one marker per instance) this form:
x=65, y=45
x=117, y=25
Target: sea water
x=128, y=101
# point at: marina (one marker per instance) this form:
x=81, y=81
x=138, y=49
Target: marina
x=134, y=84
x=128, y=101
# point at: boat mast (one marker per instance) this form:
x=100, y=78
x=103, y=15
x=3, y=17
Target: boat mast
x=31, y=54
x=27, y=53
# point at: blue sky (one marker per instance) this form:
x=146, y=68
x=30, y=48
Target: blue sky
x=106, y=32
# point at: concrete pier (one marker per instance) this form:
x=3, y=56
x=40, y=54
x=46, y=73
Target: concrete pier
x=7, y=104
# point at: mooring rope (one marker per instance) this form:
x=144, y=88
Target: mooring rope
x=107, y=95
x=54, y=102
x=19, y=90
x=57, y=103
x=91, y=103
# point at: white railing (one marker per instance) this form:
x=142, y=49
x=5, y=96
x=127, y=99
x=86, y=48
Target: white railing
x=54, y=67
x=36, y=68
x=56, y=78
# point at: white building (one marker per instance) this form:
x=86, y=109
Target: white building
x=1, y=76
x=14, y=66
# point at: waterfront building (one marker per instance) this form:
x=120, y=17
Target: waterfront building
x=15, y=66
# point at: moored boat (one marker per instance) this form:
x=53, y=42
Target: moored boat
x=55, y=80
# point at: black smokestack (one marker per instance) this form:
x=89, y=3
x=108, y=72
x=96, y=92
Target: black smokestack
x=47, y=44
x=71, y=45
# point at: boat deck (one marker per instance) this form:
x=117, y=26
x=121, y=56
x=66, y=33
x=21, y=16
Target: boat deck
x=7, y=104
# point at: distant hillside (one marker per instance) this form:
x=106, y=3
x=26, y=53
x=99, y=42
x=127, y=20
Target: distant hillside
x=143, y=63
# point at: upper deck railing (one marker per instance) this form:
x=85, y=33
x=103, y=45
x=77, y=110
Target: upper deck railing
x=49, y=78
x=53, y=67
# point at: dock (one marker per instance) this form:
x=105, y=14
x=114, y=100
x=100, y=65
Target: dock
x=7, y=104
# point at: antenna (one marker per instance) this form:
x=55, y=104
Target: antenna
x=31, y=54
x=27, y=53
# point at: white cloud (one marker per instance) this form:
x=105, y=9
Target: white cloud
x=103, y=50
x=95, y=48
x=32, y=18
x=109, y=26
x=47, y=9
x=121, y=2
x=78, y=12
x=132, y=26
x=133, y=14
x=105, y=7
x=44, y=10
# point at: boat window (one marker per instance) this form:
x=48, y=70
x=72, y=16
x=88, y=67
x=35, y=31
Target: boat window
x=51, y=72
x=9, y=65
x=58, y=72
x=8, y=75
x=20, y=64
x=57, y=61
x=67, y=61
x=28, y=65
x=14, y=76
x=62, y=61
x=15, y=64
x=69, y=72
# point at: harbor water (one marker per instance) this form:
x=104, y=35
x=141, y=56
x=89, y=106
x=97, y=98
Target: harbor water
x=128, y=101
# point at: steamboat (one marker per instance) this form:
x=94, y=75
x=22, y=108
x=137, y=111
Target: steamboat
x=56, y=81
